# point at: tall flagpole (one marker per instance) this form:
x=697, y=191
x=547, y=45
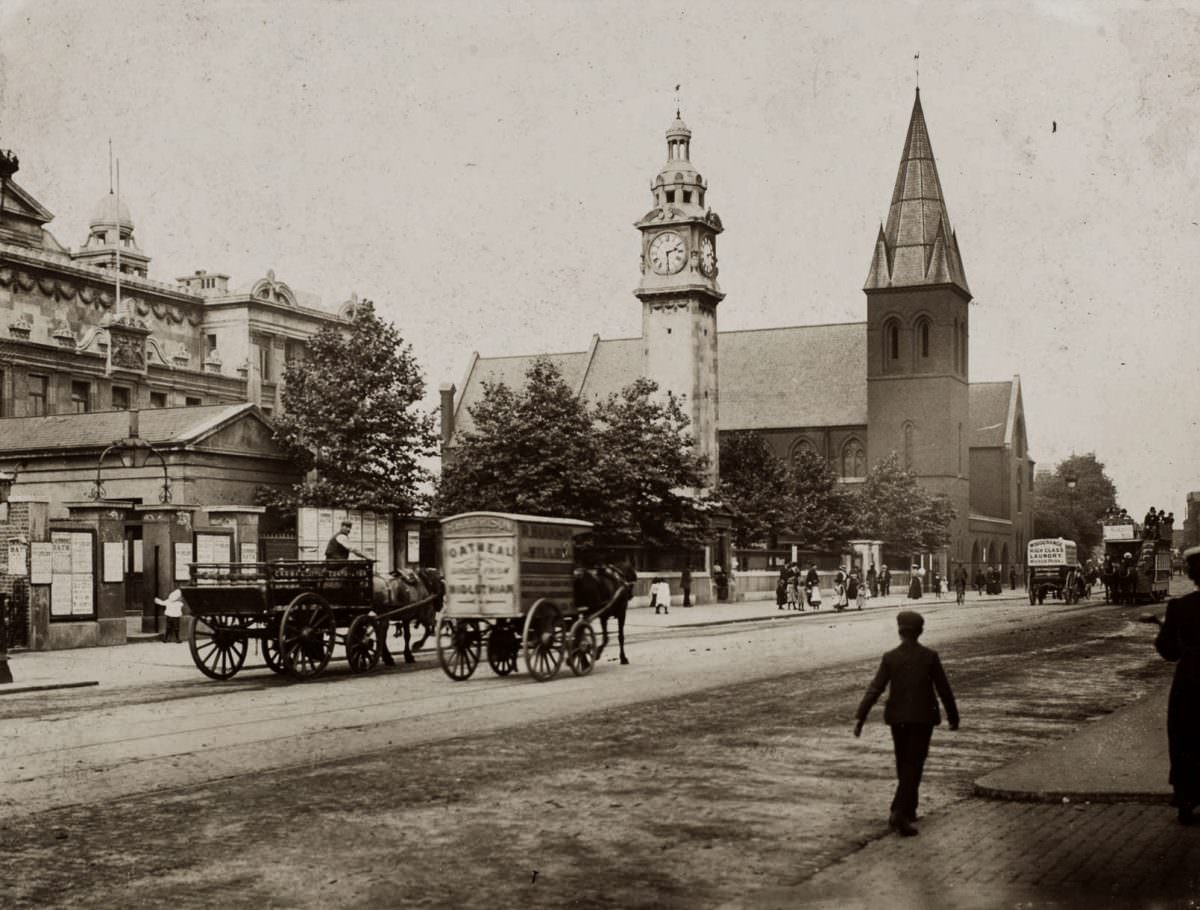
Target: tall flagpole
x=118, y=308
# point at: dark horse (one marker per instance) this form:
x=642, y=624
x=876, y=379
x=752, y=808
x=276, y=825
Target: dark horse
x=605, y=589
x=402, y=588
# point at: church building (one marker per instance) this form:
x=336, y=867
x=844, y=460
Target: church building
x=852, y=392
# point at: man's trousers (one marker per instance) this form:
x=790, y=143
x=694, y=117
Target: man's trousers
x=911, y=742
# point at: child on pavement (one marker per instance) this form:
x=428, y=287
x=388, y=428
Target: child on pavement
x=172, y=611
x=661, y=593
x=916, y=678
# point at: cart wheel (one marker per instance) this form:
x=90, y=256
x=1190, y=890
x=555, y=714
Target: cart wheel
x=544, y=640
x=503, y=647
x=581, y=647
x=306, y=636
x=270, y=651
x=218, y=645
x=459, y=642
x=363, y=643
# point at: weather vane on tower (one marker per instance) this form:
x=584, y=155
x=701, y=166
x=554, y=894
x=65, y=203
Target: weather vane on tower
x=678, y=116
x=917, y=65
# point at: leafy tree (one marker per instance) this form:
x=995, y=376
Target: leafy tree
x=757, y=489
x=624, y=463
x=824, y=509
x=350, y=420
x=1059, y=511
x=650, y=474
x=895, y=508
x=531, y=451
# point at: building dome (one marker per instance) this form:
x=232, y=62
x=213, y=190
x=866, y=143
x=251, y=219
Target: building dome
x=678, y=128
x=109, y=210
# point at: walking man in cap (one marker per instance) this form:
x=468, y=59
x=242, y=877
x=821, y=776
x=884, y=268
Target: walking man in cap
x=915, y=676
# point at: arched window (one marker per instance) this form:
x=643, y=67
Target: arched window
x=891, y=341
x=965, y=350
x=960, y=459
x=908, y=446
x=957, y=361
x=801, y=445
x=923, y=331
x=854, y=459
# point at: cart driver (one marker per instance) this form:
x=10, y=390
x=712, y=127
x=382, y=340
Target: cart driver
x=339, y=546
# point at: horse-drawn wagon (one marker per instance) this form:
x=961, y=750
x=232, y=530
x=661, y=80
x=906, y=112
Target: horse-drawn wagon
x=512, y=589
x=297, y=611
x=1054, y=570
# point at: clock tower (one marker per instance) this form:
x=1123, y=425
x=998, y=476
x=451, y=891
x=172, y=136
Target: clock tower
x=679, y=291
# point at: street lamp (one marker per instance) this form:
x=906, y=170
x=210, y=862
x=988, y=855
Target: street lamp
x=134, y=452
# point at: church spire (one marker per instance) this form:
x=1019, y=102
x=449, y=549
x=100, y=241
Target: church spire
x=917, y=246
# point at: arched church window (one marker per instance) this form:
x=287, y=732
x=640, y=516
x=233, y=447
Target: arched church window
x=854, y=459
x=957, y=362
x=800, y=446
x=923, y=333
x=960, y=451
x=891, y=341
x=908, y=446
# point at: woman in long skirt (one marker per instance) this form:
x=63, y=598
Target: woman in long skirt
x=1179, y=640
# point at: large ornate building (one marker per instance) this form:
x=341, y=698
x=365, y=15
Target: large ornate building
x=87, y=330
x=852, y=392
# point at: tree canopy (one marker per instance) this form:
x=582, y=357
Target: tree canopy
x=624, y=463
x=351, y=420
x=892, y=506
x=1060, y=511
x=757, y=489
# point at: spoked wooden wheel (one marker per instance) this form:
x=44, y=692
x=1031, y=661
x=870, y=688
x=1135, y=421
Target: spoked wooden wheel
x=218, y=645
x=503, y=647
x=306, y=636
x=364, y=642
x=459, y=642
x=544, y=640
x=270, y=650
x=581, y=647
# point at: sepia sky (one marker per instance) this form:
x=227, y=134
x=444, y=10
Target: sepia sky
x=475, y=168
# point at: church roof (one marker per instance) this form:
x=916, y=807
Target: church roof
x=812, y=375
x=917, y=245
x=990, y=406
x=778, y=378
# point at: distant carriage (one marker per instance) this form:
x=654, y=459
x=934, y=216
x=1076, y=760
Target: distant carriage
x=298, y=611
x=1054, y=571
x=511, y=590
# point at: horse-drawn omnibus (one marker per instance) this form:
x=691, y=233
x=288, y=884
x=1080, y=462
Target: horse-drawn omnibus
x=1138, y=569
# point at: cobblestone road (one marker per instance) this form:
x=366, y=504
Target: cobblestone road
x=981, y=853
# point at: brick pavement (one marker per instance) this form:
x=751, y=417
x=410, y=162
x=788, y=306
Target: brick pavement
x=981, y=853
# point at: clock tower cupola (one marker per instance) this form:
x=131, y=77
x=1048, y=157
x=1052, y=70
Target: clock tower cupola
x=679, y=291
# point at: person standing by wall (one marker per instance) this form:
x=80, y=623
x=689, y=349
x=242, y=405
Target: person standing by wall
x=685, y=584
x=1179, y=641
x=916, y=680
x=960, y=585
x=885, y=580
x=173, y=613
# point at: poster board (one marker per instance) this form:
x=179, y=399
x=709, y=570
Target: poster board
x=213, y=547
x=72, y=575
x=183, y=556
x=41, y=556
x=370, y=532
x=114, y=561
x=18, y=558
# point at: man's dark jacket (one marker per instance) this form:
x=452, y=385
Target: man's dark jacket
x=914, y=674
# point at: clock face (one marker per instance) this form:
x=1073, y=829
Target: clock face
x=708, y=257
x=667, y=253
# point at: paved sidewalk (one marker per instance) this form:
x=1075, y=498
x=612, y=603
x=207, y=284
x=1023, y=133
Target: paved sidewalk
x=1082, y=822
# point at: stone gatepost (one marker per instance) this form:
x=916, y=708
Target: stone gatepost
x=100, y=527
x=167, y=547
